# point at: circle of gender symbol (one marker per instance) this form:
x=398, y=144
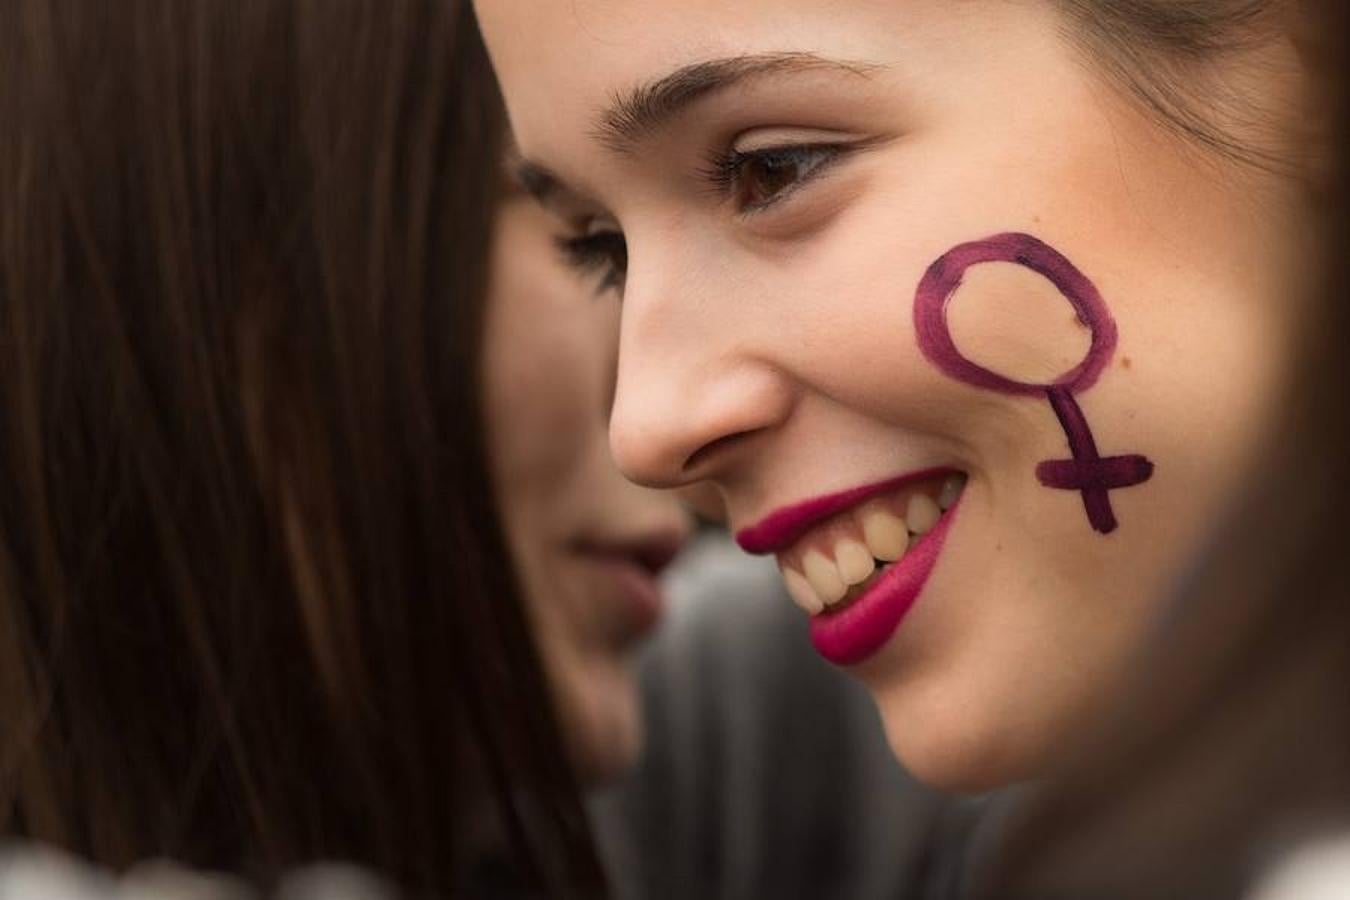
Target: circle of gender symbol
x=1087, y=472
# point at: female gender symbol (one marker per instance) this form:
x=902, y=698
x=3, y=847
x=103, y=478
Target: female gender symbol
x=1090, y=474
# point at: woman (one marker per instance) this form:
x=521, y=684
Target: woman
x=586, y=541
x=258, y=605
x=975, y=313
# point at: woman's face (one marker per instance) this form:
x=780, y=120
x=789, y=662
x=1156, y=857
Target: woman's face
x=863, y=241
x=587, y=542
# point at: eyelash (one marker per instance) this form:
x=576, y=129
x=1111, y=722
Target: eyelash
x=606, y=252
x=725, y=171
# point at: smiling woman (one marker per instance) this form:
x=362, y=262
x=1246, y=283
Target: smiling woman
x=766, y=185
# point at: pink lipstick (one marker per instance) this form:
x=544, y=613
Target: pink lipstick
x=852, y=630
x=780, y=528
x=858, y=631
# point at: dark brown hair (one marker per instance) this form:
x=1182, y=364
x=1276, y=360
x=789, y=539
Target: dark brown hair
x=1170, y=54
x=255, y=604
x=1232, y=742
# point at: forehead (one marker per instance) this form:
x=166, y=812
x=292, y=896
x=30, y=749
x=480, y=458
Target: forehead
x=561, y=62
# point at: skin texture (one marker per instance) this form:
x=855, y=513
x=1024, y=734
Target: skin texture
x=772, y=352
x=573, y=522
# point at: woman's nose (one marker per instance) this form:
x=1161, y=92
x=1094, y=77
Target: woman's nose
x=689, y=406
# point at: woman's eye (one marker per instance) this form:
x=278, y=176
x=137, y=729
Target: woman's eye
x=756, y=179
x=603, y=252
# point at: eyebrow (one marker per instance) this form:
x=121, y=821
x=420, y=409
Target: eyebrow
x=534, y=179
x=538, y=182
x=636, y=113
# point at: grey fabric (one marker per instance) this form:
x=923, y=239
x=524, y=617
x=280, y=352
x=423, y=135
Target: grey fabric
x=766, y=772
x=38, y=872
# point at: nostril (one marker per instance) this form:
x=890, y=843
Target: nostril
x=668, y=430
x=712, y=448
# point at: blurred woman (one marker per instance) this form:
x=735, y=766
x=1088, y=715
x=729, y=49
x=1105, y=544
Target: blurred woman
x=259, y=595
x=586, y=540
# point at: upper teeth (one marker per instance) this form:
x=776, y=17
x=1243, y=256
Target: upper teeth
x=824, y=580
x=801, y=591
x=951, y=491
x=886, y=533
x=854, y=560
x=823, y=573
x=922, y=514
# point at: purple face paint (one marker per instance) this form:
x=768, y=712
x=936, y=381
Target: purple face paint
x=1087, y=472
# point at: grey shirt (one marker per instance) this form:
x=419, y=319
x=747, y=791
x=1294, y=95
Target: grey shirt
x=766, y=772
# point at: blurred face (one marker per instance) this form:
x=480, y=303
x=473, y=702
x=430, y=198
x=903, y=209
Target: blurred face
x=587, y=542
x=972, y=345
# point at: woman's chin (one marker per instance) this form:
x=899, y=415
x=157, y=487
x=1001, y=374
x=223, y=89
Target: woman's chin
x=951, y=750
x=605, y=732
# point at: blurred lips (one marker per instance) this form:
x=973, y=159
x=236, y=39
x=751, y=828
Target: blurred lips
x=632, y=565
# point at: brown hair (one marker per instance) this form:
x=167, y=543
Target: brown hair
x=255, y=604
x=1168, y=55
x=1232, y=743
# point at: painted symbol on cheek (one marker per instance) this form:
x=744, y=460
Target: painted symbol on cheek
x=1087, y=472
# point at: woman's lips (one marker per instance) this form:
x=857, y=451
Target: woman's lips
x=858, y=631
x=781, y=528
x=856, y=561
x=641, y=601
x=632, y=567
